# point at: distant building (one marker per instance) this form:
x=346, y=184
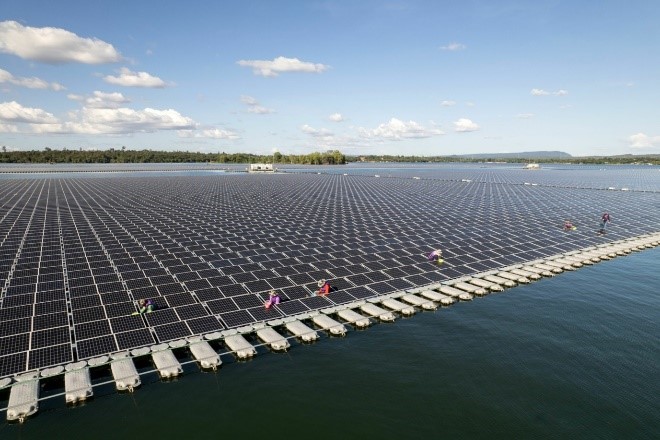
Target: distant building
x=532, y=166
x=261, y=167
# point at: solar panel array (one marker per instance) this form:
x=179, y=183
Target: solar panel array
x=77, y=253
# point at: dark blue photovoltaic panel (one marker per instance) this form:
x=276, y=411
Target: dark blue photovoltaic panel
x=202, y=325
x=90, y=348
x=50, y=336
x=50, y=356
x=170, y=332
x=236, y=319
x=159, y=317
x=13, y=364
x=15, y=343
x=191, y=311
x=134, y=338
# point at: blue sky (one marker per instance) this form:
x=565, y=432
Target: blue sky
x=361, y=76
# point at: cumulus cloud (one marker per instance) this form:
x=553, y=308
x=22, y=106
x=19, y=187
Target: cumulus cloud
x=396, y=129
x=336, y=117
x=101, y=100
x=97, y=120
x=211, y=133
x=464, y=125
x=254, y=107
x=15, y=112
x=453, y=47
x=541, y=92
x=54, y=45
x=447, y=103
x=281, y=65
x=30, y=83
x=320, y=132
x=641, y=140
x=127, y=78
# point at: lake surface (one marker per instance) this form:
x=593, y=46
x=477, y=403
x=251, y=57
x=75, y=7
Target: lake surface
x=574, y=356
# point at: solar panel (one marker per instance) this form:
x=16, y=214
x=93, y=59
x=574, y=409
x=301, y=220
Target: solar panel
x=204, y=325
x=115, y=241
x=133, y=339
x=237, y=318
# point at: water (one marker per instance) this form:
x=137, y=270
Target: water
x=575, y=356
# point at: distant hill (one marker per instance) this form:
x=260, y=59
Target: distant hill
x=521, y=155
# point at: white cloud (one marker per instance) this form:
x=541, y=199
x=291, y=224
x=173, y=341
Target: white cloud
x=641, y=140
x=447, y=103
x=54, y=45
x=453, y=47
x=259, y=110
x=254, y=107
x=281, y=64
x=249, y=100
x=8, y=128
x=541, y=92
x=212, y=133
x=336, y=117
x=127, y=78
x=396, y=129
x=30, y=83
x=15, y=112
x=464, y=125
x=320, y=132
x=119, y=121
x=525, y=115
x=101, y=100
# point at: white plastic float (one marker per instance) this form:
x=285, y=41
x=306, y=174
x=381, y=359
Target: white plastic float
x=124, y=372
x=398, y=306
x=419, y=302
x=239, y=345
x=470, y=288
x=301, y=330
x=455, y=293
x=443, y=299
x=23, y=397
x=493, y=287
x=526, y=273
x=513, y=277
x=377, y=312
x=204, y=353
x=273, y=339
x=538, y=271
x=352, y=317
x=499, y=280
x=330, y=325
x=559, y=265
x=77, y=382
x=167, y=364
x=549, y=267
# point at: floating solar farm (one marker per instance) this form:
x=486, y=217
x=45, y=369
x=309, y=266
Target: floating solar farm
x=77, y=252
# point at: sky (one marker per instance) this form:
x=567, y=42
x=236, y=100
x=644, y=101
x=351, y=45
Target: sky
x=366, y=77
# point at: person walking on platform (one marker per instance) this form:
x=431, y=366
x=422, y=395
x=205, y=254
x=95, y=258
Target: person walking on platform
x=604, y=220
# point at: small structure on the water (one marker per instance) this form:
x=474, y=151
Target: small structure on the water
x=261, y=168
x=532, y=166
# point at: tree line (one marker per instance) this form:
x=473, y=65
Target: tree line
x=124, y=155
x=653, y=159
x=334, y=157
